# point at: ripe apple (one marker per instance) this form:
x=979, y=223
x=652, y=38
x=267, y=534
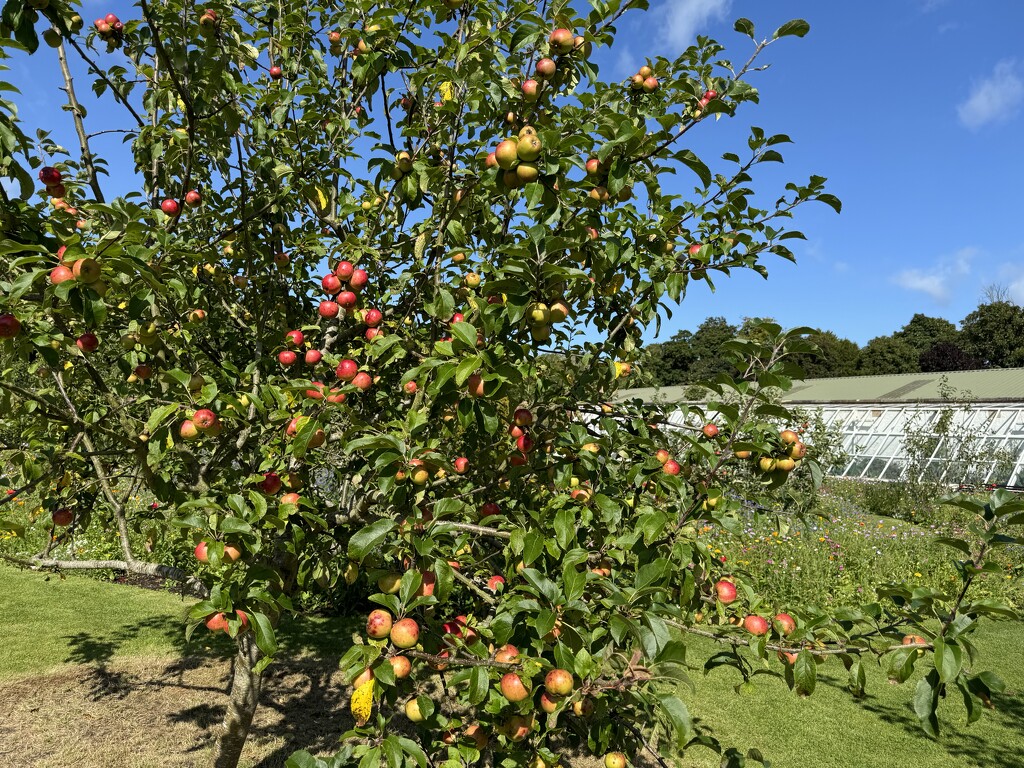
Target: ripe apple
x=562, y=41
x=784, y=623
x=362, y=381
x=412, y=711
x=671, y=467
x=546, y=68
x=287, y=358
x=204, y=419
x=87, y=342
x=523, y=417
x=170, y=207
x=291, y=498
x=401, y=666
x=270, y=484
x=726, y=591
x=192, y=197
x=549, y=702
x=797, y=450
x=86, y=270
x=531, y=90
x=496, y=583
x=358, y=279
x=785, y=464
x=477, y=734
x=662, y=455
x=49, y=175
x=329, y=309
x=231, y=553
x=756, y=625
x=188, y=430
x=489, y=509
x=475, y=385
x=62, y=517
x=347, y=299
x=331, y=284
x=506, y=654
x=650, y=84
x=276, y=73
x=507, y=154
x=410, y=387
x=217, y=623
x=767, y=463
x=405, y=633
x=710, y=95
x=461, y=465
x=513, y=688
x=583, y=707
x=344, y=269
x=313, y=356
x=529, y=148
x=347, y=369
x=615, y=760
x=61, y=274
x=378, y=624
x=559, y=682
x=10, y=326
x=710, y=431
x=373, y=317
x=201, y=552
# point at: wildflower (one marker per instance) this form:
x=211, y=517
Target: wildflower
x=917, y=575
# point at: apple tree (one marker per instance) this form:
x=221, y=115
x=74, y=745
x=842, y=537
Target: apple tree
x=360, y=326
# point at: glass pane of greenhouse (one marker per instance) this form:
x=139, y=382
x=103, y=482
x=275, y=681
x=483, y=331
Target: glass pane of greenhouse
x=957, y=443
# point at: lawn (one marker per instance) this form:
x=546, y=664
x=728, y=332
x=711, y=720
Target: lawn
x=84, y=658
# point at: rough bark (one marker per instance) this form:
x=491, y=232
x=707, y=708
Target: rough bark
x=245, y=694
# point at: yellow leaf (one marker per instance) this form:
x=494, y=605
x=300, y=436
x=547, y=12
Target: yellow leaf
x=447, y=91
x=322, y=199
x=362, y=702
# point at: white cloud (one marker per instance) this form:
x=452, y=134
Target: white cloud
x=680, y=21
x=940, y=280
x=1016, y=290
x=995, y=99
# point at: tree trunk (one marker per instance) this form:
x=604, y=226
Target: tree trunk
x=245, y=694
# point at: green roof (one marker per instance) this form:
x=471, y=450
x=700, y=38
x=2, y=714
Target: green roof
x=991, y=385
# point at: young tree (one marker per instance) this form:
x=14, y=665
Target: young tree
x=318, y=336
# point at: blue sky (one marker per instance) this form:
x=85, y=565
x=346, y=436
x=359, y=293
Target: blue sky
x=914, y=110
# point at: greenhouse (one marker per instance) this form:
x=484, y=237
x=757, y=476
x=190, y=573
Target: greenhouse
x=960, y=427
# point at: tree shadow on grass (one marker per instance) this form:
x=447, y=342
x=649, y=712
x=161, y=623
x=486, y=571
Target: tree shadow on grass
x=968, y=743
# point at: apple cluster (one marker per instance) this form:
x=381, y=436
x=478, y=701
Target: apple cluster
x=783, y=624
x=110, y=28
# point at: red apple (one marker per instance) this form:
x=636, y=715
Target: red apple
x=88, y=342
x=331, y=284
x=373, y=317
x=193, y=198
x=62, y=517
x=726, y=591
x=86, y=270
x=523, y=417
x=61, y=274
x=755, y=625
x=329, y=309
x=347, y=370
x=475, y=385
x=276, y=73
x=313, y=356
x=344, y=269
x=10, y=326
x=405, y=633
x=401, y=666
x=49, y=175
x=170, y=207
x=287, y=358
x=670, y=467
x=410, y=387
x=188, y=430
x=784, y=623
x=461, y=465
x=546, y=68
x=496, y=583
x=506, y=654
x=204, y=419
x=558, y=682
x=358, y=279
x=379, y=624
x=490, y=508
x=513, y=688
x=562, y=41
x=710, y=431
x=347, y=299
x=270, y=484
x=362, y=381
x=531, y=90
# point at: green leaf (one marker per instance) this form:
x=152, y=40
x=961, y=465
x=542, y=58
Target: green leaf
x=369, y=538
x=948, y=659
x=926, y=703
x=479, y=682
x=679, y=717
x=805, y=673
x=266, y=640
x=796, y=28
x=744, y=26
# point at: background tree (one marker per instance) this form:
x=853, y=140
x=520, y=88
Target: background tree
x=319, y=336
x=992, y=334
x=887, y=354
x=834, y=356
x=946, y=356
x=924, y=332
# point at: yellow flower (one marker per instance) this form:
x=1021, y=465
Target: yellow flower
x=918, y=575
x=821, y=538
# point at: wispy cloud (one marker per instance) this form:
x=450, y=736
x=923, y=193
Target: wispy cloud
x=995, y=99
x=938, y=281
x=680, y=21
x=932, y=5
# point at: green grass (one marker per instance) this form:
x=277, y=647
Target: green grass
x=51, y=622
x=831, y=729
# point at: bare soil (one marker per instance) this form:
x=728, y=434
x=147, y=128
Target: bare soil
x=144, y=713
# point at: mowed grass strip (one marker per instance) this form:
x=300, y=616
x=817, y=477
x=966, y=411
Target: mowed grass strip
x=53, y=622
